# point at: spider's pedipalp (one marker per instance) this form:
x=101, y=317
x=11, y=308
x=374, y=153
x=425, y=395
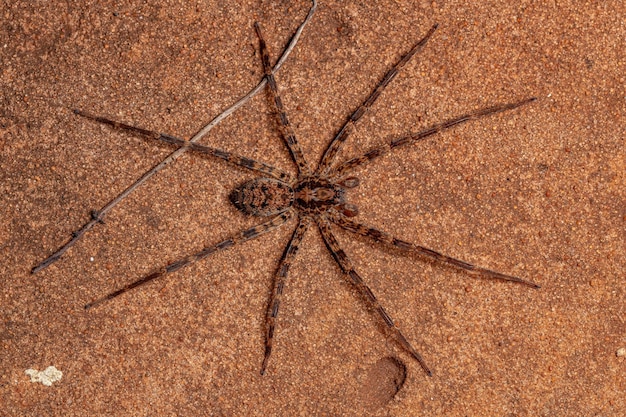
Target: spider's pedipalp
x=350, y=182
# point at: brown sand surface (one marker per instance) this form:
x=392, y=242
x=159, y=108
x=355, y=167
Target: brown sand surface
x=537, y=192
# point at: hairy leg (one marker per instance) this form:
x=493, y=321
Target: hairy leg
x=286, y=131
x=384, y=149
x=335, y=146
x=279, y=284
x=355, y=279
x=383, y=237
x=240, y=237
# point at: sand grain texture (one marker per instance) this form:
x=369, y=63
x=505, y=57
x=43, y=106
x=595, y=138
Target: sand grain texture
x=537, y=192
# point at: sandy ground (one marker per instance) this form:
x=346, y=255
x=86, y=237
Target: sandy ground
x=537, y=192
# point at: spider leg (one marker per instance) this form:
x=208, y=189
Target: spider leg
x=346, y=266
x=287, y=133
x=384, y=149
x=336, y=144
x=279, y=284
x=383, y=237
x=237, y=160
x=78, y=234
x=240, y=237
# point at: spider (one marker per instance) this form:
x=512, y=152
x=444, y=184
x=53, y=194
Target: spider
x=315, y=197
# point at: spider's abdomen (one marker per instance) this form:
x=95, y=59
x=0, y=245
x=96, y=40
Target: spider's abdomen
x=262, y=197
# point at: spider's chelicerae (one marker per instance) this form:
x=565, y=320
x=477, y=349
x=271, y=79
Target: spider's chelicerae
x=315, y=197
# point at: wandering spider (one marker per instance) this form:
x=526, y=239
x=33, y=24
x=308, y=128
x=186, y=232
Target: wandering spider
x=316, y=196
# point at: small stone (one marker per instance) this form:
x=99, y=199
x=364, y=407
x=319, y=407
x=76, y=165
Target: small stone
x=621, y=352
x=46, y=377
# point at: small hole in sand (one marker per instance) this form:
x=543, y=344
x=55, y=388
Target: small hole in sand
x=384, y=379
